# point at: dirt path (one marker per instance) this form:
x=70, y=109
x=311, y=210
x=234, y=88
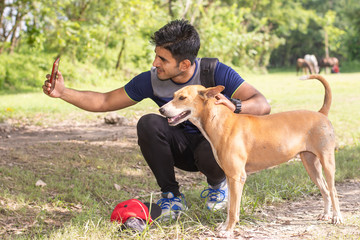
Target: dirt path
x=297, y=220
x=290, y=220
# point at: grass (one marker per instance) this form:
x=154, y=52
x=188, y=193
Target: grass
x=80, y=176
x=285, y=92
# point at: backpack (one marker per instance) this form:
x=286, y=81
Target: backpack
x=207, y=70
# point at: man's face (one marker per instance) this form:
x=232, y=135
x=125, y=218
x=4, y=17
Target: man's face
x=166, y=65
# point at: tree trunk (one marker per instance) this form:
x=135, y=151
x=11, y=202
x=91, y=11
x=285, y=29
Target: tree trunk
x=13, y=36
x=120, y=54
x=2, y=8
x=326, y=50
x=326, y=45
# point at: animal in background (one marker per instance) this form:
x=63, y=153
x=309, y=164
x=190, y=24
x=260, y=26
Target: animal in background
x=304, y=65
x=328, y=62
x=311, y=59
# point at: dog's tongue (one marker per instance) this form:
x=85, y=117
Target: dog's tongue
x=172, y=119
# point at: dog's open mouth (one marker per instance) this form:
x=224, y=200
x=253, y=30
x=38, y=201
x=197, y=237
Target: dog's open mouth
x=178, y=118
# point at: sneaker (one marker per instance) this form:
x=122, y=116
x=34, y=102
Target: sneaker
x=216, y=196
x=171, y=206
x=136, y=224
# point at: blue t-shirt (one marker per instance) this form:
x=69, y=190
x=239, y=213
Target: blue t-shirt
x=147, y=85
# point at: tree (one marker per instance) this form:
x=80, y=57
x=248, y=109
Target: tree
x=12, y=14
x=350, y=14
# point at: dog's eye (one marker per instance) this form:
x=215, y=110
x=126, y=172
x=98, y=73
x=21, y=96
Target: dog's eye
x=182, y=98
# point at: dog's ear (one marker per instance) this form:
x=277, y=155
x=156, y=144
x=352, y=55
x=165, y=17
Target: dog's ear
x=211, y=92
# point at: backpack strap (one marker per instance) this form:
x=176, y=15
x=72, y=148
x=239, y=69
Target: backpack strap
x=207, y=70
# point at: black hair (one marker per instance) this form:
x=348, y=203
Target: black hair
x=180, y=38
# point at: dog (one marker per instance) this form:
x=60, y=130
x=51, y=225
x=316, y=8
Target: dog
x=243, y=144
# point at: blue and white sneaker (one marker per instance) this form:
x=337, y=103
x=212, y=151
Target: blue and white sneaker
x=217, y=196
x=171, y=206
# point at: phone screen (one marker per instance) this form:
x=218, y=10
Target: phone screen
x=53, y=74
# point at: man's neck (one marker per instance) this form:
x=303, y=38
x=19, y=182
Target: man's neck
x=185, y=76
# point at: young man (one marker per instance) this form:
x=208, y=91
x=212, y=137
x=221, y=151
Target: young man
x=164, y=147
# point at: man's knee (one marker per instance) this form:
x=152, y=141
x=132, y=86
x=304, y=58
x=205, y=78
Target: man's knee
x=149, y=124
x=206, y=163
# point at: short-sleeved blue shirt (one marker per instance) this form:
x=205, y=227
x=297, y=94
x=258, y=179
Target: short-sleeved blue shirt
x=147, y=85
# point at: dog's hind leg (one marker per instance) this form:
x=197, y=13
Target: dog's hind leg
x=328, y=163
x=313, y=166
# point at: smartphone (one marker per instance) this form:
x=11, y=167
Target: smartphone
x=54, y=74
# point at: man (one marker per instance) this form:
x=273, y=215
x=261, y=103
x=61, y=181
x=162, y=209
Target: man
x=163, y=146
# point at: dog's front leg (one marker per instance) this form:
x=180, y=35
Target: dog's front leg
x=235, y=187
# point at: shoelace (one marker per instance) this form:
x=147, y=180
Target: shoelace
x=213, y=194
x=165, y=203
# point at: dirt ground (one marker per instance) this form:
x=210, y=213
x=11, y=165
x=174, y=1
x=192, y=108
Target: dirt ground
x=290, y=220
x=297, y=220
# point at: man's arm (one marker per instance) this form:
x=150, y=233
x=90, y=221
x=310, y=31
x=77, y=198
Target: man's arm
x=89, y=100
x=252, y=101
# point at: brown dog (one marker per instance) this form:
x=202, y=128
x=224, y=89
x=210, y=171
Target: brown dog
x=243, y=144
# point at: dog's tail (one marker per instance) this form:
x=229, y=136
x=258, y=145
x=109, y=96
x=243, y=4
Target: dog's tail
x=328, y=96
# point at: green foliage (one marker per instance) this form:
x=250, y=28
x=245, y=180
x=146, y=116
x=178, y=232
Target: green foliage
x=26, y=71
x=21, y=72
x=80, y=174
x=309, y=37
x=350, y=66
x=352, y=39
x=347, y=162
x=110, y=35
x=225, y=34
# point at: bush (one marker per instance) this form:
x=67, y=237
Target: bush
x=21, y=72
x=350, y=66
x=26, y=72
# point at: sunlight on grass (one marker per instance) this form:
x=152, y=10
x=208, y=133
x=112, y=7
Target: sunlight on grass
x=286, y=92
x=80, y=195
x=283, y=90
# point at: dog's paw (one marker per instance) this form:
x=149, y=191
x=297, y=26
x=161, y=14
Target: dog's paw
x=337, y=220
x=324, y=217
x=221, y=227
x=223, y=232
x=226, y=234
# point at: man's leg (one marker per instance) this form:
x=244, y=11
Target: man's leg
x=206, y=163
x=164, y=147
x=216, y=194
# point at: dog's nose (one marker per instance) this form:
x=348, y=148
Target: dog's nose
x=161, y=110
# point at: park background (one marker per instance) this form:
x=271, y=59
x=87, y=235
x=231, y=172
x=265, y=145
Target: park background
x=102, y=45
x=109, y=40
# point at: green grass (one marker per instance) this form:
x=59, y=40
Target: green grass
x=283, y=90
x=80, y=194
x=80, y=176
x=286, y=92
x=37, y=109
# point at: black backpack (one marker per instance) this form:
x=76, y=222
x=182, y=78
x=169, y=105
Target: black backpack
x=207, y=70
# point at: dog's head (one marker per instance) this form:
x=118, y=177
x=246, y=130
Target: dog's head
x=188, y=102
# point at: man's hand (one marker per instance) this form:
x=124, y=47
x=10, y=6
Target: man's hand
x=221, y=99
x=59, y=87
